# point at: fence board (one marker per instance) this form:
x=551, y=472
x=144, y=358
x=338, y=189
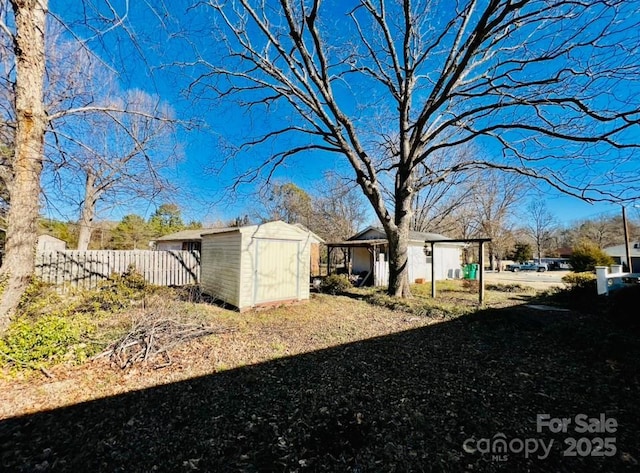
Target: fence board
x=86, y=269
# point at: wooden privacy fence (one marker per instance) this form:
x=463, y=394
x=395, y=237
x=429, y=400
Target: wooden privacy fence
x=85, y=269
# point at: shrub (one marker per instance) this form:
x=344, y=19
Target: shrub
x=584, y=280
x=581, y=293
x=38, y=299
x=38, y=343
x=335, y=284
x=116, y=293
x=586, y=256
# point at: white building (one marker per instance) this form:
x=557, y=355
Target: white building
x=369, y=256
x=257, y=265
x=619, y=254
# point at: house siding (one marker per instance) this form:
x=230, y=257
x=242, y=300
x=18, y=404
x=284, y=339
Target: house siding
x=447, y=257
x=169, y=246
x=360, y=260
x=221, y=262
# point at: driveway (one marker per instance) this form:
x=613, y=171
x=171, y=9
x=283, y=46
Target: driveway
x=544, y=280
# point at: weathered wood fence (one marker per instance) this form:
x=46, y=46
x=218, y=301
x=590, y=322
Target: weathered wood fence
x=85, y=269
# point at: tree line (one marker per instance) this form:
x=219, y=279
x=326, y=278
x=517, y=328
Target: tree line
x=411, y=97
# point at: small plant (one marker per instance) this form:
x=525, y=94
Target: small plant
x=335, y=284
x=49, y=339
x=471, y=284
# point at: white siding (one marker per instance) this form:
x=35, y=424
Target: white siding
x=277, y=270
x=220, y=271
x=418, y=267
x=276, y=253
x=447, y=261
x=361, y=260
x=169, y=245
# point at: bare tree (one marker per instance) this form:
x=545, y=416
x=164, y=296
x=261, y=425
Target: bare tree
x=25, y=166
x=495, y=197
x=28, y=115
x=119, y=155
x=541, y=225
x=286, y=202
x=435, y=205
x=542, y=84
x=338, y=209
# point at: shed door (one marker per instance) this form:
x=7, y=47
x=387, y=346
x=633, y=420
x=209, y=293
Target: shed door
x=277, y=270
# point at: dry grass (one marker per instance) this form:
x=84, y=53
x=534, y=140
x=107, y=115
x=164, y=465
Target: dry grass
x=340, y=383
x=250, y=338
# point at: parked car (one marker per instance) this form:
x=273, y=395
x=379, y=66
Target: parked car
x=529, y=266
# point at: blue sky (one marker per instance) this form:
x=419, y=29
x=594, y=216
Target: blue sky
x=202, y=193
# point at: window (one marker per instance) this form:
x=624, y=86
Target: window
x=191, y=245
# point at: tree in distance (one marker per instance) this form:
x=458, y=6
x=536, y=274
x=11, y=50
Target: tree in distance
x=545, y=88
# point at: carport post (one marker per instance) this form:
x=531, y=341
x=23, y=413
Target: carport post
x=481, y=278
x=433, y=271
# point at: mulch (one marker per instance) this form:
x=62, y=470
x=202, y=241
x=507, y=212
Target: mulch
x=399, y=403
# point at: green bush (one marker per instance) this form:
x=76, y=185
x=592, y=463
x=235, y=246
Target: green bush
x=116, y=293
x=583, y=280
x=47, y=340
x=335, y=284
x=38, y=299
x=586, y=256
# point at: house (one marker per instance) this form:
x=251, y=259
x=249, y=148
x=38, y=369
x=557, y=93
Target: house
x=619, y=254
x=257, y=265
x=44, y=243
x=189, y=240
x=50, y=243
x=368, y=252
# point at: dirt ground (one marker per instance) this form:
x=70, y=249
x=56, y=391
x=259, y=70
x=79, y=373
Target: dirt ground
x=340, y=385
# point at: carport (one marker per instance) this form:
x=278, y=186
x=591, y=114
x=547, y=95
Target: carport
x=480, y=241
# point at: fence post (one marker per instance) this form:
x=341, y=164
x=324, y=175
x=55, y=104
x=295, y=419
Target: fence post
x=616, y=268
x=601, y=280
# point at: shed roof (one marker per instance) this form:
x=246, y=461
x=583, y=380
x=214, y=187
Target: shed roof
x=184, y=235
x=301, y=229
x=196, y=234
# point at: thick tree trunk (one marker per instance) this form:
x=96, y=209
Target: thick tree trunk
x=87, y=213
x=398, y=236
x=26, y=167
x=399, y=262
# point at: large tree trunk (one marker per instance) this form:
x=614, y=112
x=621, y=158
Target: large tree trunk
x=399, y=262
x=24, y=188
x=87, y=213
x=398, y=236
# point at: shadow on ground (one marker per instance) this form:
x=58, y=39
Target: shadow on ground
x=405, y=402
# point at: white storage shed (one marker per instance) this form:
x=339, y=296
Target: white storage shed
x=257, y=264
